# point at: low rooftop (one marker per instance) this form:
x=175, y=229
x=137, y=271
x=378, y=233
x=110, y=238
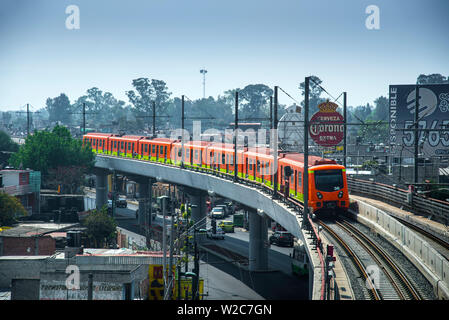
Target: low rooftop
x=31, y=229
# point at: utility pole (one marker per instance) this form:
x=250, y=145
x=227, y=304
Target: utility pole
x=306, y=149
x=415, y=176
x=170, y=264
x=196, y=269
x=345, y=129
x=236, y=126
x=164, y=244
x=84, y=118
x=275, y=143
x=203, y=72
x=154, y=119
x=271, y=112
x=28, y=119
x=182, y=131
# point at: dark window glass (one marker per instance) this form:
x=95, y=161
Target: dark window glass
x=161, y=150
x=328, y=180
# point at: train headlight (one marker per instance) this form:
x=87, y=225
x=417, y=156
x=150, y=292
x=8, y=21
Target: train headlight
x=340, y=194
x=319, y=195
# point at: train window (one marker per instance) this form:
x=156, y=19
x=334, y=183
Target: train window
x=223, y=159
x=153, y=148
x=196, y=154
x=188, y=153
x=165, y=150
x=328, y=180
x=300, y=179
x=250, y=165
x=129, y=146
x=161, y=150
x=121, y=147
x=93, y=142
x=146, y=148
x=115, y=144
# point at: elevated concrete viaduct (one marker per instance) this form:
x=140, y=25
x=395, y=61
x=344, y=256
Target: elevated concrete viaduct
x=198, y=184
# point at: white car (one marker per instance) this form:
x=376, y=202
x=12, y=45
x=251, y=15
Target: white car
x=217, y=213
x=219, y=234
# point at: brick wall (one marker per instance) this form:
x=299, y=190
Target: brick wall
x=26, y=246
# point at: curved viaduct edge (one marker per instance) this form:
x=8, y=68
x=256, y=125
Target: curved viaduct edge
x=251, y=197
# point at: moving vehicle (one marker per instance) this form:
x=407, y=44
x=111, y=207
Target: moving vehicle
x=217, y=213
x=327, y=183
x=219, y=233
x=282, y=238
x=227, y=225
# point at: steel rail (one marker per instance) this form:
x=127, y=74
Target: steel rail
x=374, y=292
x=383, y=259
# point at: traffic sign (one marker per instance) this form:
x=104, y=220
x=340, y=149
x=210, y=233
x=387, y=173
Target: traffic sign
x=327, y=125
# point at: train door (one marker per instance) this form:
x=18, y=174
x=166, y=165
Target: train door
x=296, y=182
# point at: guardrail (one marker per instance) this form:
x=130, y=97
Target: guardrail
x=396, y=196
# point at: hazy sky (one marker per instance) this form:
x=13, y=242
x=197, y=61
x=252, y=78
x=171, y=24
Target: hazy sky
x=239, y=43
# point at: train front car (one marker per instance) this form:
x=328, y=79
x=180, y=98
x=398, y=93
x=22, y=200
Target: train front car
x=328, y=187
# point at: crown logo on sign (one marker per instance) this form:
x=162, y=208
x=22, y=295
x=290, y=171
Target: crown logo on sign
x=327, y=106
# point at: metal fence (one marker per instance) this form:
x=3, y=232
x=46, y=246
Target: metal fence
x=411, y=201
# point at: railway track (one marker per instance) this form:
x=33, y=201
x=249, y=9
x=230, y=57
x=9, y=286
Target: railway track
x=384, y=279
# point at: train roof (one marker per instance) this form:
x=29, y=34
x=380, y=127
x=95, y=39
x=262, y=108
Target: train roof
x=159, y=140
x=98, y=134
x=298, y=159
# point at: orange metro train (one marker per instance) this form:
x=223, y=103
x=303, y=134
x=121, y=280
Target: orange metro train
x=328, y=189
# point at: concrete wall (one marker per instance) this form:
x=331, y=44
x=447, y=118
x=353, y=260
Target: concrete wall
x=20, y=267
x=431, y=264
x=25, y=289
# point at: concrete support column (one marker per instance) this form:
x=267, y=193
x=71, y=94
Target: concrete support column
x=101, y=189
x=143, y=200
x=197, y=199
x=258, y=240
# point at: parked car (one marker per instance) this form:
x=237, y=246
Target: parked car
x=219, y=234
x=226, y=210
x=121, y=203
x=217, y=213
x=227, y=226
x=282, y=238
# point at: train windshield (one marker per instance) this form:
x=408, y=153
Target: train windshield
x=328, y=180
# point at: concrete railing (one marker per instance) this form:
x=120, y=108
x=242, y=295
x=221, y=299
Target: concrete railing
x=401, y=197
x=429, y=262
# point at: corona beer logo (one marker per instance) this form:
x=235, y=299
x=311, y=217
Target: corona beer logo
x=328, y=107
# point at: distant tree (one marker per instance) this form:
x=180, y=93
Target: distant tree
x=6, y=144
x=381, y=109
x=101, y=228
x=434, y=78
x=315, y=92
x=102, y=108
x=10, y=208
x=59, y=109
x=146, y=92
x=45, y=150
x=254, y=101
